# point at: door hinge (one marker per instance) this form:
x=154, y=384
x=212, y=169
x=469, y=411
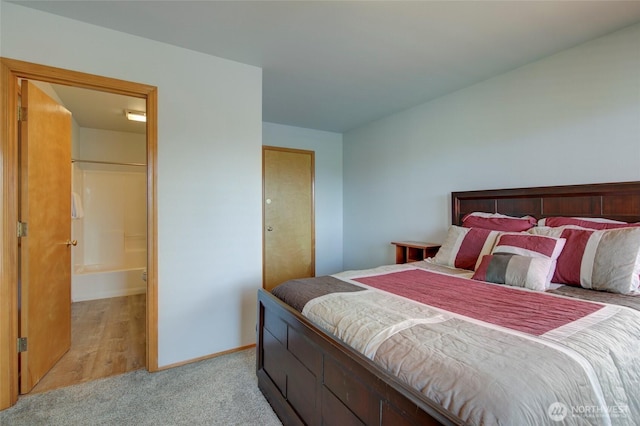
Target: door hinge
x=22, y=344
x=22, y=229
x=22, y=114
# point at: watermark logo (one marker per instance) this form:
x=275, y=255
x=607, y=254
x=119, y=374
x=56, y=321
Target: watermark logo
x=557, y=411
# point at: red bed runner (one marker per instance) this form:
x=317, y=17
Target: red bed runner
x=528, y=312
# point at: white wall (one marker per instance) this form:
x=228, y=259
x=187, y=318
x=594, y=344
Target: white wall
x=328, y=186
x=114, y=221
x=114, y=197
x=112, y=232
x=209, y=171
x=570, y=118
x=109, y=145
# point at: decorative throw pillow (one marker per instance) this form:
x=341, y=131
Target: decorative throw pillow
x=498, y=222
x=607, y=260
x=529, y=245
x=525, y=244
x=463, y=247
x=511, y=269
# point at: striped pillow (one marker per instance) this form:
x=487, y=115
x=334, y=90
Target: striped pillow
x=511, y=269
x=524, y=244
x=463, y=247
x=607, y=260
x=498, y=222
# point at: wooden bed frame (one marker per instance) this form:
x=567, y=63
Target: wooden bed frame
x=309, y=377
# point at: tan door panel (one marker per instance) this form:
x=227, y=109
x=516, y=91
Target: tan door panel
x=288, y=201
x=45, y=253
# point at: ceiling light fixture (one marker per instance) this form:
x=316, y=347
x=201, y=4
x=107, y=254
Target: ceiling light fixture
x=136, y=115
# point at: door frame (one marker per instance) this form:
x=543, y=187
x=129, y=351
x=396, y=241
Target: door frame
x=10, y=71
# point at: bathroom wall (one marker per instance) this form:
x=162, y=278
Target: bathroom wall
x=111, y=252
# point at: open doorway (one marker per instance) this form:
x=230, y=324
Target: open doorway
x=108, y=238
x=11, y=71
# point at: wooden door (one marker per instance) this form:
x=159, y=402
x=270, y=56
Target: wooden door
x=45, y=252
x=288, y=213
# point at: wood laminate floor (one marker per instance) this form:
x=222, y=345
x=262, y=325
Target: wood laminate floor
x=107, y=338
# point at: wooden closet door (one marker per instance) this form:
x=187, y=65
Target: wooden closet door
x=288, y=215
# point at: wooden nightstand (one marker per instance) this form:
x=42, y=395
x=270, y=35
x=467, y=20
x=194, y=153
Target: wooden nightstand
x=413, y=251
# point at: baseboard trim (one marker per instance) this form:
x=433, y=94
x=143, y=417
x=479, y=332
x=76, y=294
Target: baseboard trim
x=202, y=358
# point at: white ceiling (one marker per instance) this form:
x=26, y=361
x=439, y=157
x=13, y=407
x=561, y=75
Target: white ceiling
x=101, y=110
x=335, y=65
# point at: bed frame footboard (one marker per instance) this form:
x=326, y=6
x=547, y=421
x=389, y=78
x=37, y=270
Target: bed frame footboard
x=311, y=378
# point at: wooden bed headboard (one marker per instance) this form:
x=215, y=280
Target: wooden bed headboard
x=617, y=201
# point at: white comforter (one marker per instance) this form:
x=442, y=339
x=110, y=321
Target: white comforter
x=584, y=372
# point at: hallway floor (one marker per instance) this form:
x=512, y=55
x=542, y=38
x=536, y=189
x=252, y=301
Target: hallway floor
x=107, y=338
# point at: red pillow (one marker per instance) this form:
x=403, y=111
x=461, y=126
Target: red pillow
x=585, y=222
x=525, y=244
x=498, y=222
x=568, y=266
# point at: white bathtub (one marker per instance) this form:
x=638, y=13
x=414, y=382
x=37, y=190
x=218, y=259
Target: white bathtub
x=89, y=282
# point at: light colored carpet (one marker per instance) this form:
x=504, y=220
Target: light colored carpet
x=218, y=391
